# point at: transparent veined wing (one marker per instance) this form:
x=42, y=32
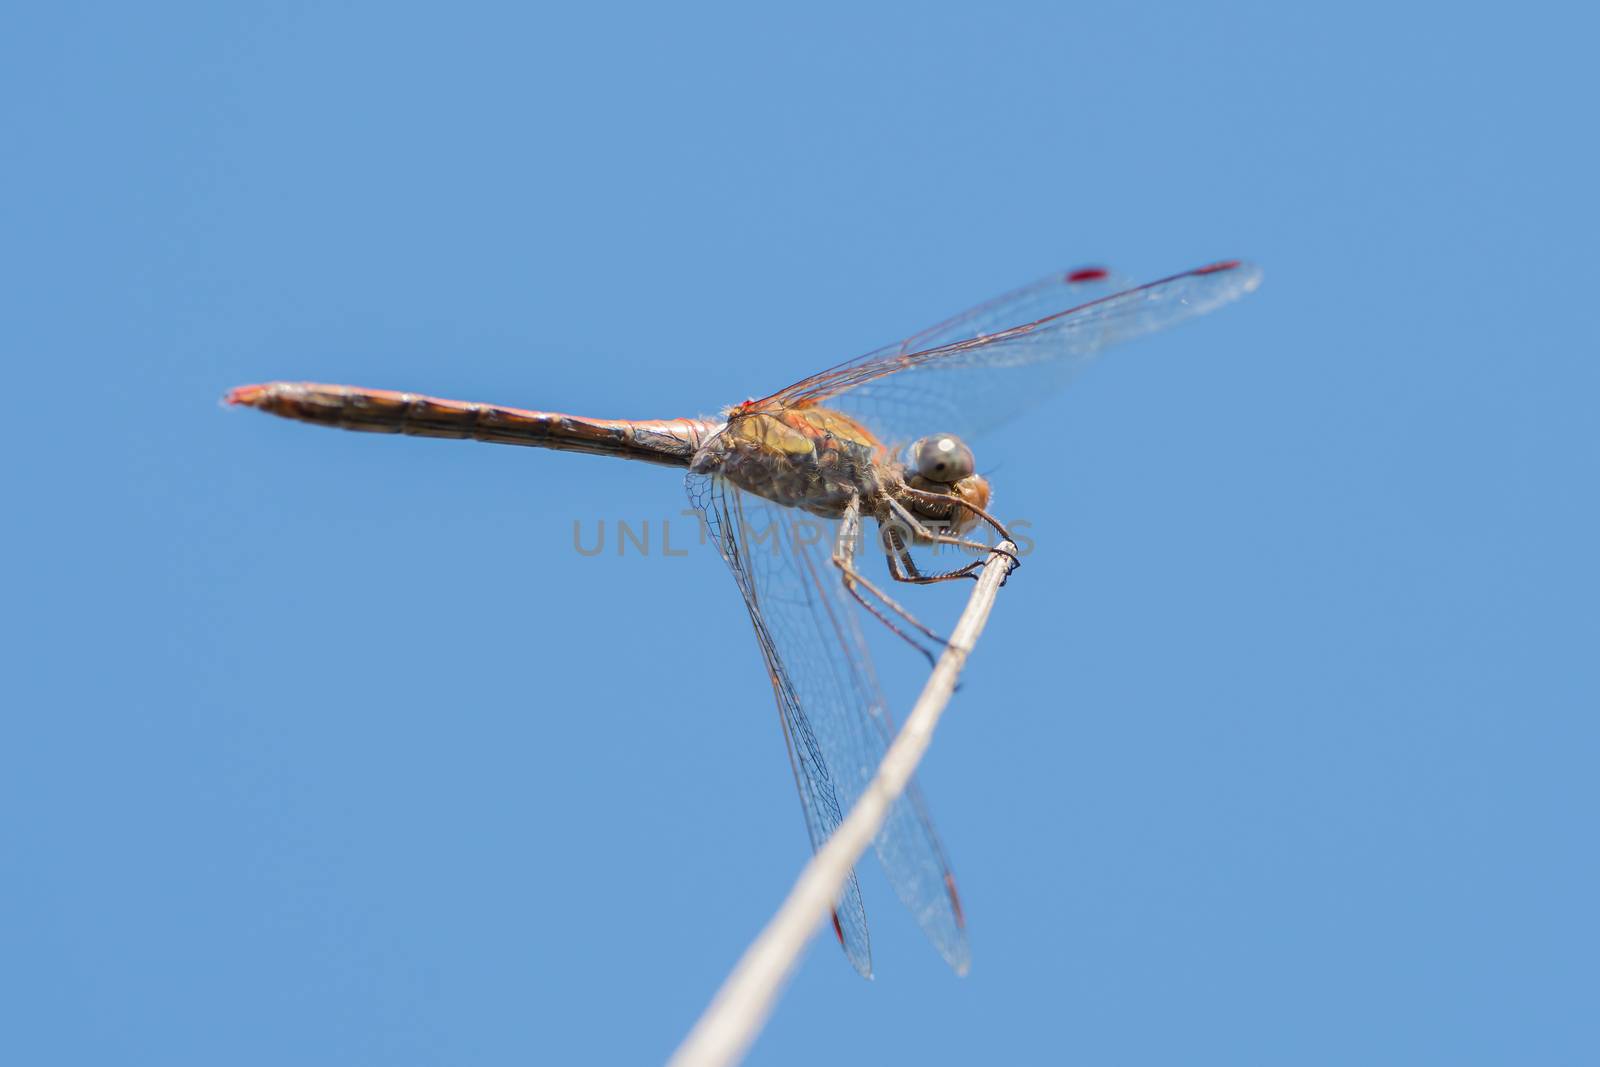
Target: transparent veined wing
x=1048, y=296
x=835, y=721
x=987, y=365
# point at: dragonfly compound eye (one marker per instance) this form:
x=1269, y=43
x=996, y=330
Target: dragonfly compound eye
x=944, y=458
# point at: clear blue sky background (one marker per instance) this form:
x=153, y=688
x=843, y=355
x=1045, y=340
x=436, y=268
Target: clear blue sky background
x=326, y=748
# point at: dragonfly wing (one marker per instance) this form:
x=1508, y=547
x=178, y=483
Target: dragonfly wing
x=748, y=549
x=835, y=721
x=945, y=379
x=1058, y=292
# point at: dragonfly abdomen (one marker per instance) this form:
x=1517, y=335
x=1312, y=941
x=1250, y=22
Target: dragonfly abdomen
x=671, y=442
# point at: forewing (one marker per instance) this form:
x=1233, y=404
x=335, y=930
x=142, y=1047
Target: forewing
x=949, y=378
x=834, y=718
x=1048, y=296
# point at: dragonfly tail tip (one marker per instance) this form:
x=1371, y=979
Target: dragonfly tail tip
x=247, y=395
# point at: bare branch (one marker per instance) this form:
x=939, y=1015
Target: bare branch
x=739, y=1010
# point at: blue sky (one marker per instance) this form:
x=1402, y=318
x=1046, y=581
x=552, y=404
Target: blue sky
x=328, y=748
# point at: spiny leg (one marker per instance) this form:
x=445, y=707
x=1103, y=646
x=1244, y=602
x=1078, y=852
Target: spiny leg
x=941, y=499
x=924, y=532
x=844, y=553
x=903, y=568
x=921, y=531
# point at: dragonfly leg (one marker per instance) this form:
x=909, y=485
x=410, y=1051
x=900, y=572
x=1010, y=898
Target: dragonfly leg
x=903, y=568
x=924, y=532
x=941, y=499
x=844, y=554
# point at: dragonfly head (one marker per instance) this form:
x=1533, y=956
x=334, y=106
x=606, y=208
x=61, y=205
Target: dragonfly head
x=943, y=464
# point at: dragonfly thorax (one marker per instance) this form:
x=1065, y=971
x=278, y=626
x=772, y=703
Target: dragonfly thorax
x=815, y=459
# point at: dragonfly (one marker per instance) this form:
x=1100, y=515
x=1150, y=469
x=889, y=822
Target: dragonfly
x=880, y=437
